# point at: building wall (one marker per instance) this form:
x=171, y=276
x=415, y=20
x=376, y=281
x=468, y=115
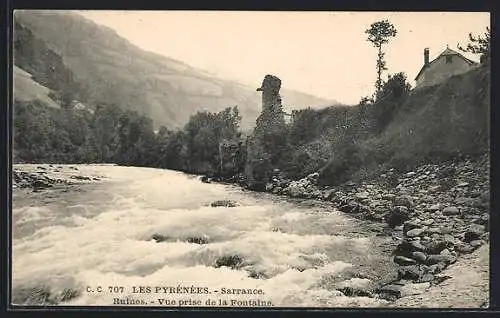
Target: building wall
x=440, y=70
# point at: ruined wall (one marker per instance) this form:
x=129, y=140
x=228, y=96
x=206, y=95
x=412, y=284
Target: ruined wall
x=267, y=142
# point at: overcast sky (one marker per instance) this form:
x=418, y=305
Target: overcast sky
x=321, y=53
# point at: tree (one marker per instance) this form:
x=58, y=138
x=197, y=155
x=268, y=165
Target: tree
x=379, y=33
x=392, y=94
x=478, y=45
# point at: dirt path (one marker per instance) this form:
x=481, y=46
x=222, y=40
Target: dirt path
x=468, y=286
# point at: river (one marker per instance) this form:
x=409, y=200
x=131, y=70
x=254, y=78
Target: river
x=99, y=235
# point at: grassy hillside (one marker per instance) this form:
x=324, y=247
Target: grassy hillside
x=444, y=122
x=111, y=70
x=26, y=89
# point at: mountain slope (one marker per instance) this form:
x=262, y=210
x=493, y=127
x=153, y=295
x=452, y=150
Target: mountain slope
x=26, y=89
x=109, y=69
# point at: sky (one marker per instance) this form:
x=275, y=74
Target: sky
x=321, y=53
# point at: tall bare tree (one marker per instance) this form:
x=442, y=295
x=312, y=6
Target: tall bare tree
x=379, y=33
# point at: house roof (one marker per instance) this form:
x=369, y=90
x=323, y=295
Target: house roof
x=446, y=52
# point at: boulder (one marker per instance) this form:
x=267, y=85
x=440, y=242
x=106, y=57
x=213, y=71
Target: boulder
x=433, y=230
x=451, y=211
x=159, y=238
x=269, y=187
x=404, y=261
x=362, y=196
x=406, y=248
x=427, y=222
x=224, y=203
x=436, y=268
x=412, y=272
x=390, y=292
x=397, y=216
x=435, y=259
x=435, y=247
x=474, y=233
x=404, y=200
x=350, y=207
x=434, y=208
x=198, y=239
x=232, y=261
x=476, y=243
x=415, y=232
x=409, y=225
x=357, y=287
x=465, y=248
x=80, y=178
x=486, y=237
x=419, y=256
x=277, y=190
x=40, y=184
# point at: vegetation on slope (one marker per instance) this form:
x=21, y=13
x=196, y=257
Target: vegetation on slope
x=402, y=129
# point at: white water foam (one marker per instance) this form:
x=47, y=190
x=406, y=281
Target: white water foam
x=70, y=249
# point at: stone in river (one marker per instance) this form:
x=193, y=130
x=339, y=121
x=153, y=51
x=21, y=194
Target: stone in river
x=224, y=203
x=232, y=261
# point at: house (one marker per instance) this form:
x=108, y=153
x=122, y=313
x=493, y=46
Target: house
x=445, y=65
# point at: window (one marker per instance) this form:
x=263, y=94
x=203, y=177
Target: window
x=448, y=58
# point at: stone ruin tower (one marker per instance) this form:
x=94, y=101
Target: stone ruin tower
x=272, y=110
x=265, y=144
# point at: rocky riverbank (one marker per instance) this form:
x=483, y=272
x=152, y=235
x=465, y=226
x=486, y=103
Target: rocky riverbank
x=40, y=177
x=437, y=212
x=467, y=285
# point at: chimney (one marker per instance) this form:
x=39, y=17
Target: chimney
x=426, y=56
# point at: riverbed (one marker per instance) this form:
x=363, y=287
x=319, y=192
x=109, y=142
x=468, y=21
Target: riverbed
x=96, y=242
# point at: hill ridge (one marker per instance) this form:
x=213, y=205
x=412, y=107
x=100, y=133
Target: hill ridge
x=113, y=70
